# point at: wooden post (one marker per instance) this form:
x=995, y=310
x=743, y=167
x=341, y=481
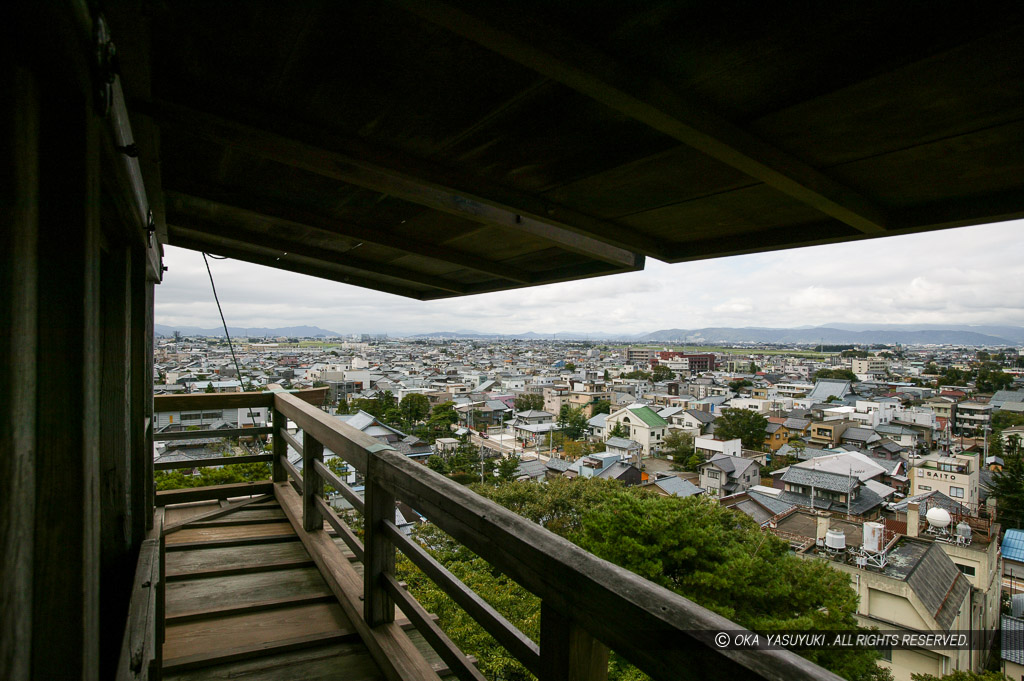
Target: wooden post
x=280, y=446
x=567, y=651
x=141, y=390
x=312, y=483
x=66, y=593
x=379, y=552
x=19, y=239
x=117, y=558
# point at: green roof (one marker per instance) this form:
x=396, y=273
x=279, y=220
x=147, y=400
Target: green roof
x=649, y=417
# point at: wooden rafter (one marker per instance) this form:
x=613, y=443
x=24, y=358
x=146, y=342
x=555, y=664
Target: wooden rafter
x=251, y=207
x=653, y=103
x=421, y=182
x=179, y=215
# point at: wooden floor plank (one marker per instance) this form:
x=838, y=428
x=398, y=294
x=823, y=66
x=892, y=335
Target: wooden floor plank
x=212, y=593
x=343, y=662
x=193, y=534
x=245, y=634
x=181, y=512
x=205, y=560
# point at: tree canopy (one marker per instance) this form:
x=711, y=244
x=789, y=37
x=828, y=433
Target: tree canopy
x=662, y=373
x=748, y=426
x=714, y=556
x=844, y=374
x=528, y=401
x=572, y=422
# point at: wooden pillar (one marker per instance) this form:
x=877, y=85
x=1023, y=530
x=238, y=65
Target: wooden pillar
x=150, y=488
x=567, y=651
x=117, y=554
x=19, y=193
x=140, y=367
x=280, y=423
x=312, y=483
x=65, y=612
x=378, y=551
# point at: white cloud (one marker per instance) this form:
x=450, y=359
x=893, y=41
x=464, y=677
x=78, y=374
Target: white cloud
x=965, y=276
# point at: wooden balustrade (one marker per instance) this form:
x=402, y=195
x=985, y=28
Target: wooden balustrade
x=588, y=604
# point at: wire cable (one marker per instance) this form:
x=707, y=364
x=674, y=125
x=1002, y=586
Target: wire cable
x=227, y=335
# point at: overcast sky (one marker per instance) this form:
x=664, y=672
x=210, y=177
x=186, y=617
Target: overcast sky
x=972, y=275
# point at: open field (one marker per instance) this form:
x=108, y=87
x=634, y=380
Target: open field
x=809, y=354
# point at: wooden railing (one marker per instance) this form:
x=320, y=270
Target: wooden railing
x=588, y=605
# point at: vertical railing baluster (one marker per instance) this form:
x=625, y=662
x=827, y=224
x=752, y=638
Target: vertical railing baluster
x=312, y=483
x=280, y=446
x=567, y=651
x=378, y=551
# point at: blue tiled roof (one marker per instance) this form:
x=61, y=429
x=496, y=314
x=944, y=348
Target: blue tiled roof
x=1013, y=545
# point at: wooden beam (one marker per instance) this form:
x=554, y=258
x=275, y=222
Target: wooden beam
x=248, y=206
x=198, y=241
x=224, y=432
x=174, y=527
x=240, y=489
x=213, y=461
x=398, y=658
x=181, y=217
x=651, y=102
x=203, y=401
x=426, y=183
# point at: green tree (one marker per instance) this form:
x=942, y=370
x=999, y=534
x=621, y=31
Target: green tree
x=662, y=373
x=442, y=417
x=414, y=408
x=1007, y=486
x=739, y=383
x=843, y=374
x=507, y=468
x=680, y=446
x=209, y=388
x=638, y=375
x=744, y=424
x=529, y=401
x=961, y=675
x=753, y=368
x=572, y=422
x=600, y=407
x=700, y=550
x=570, y=367
x=619, y=430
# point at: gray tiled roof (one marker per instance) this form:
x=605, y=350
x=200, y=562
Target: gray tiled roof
x=866, y=500
x=1012, y=639
x=819, y=479
x=678, y=487
x=939, y=584
x=933, y=499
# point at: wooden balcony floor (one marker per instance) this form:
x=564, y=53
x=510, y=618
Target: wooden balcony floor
x=245, y=599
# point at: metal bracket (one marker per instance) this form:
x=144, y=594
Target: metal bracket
x=105, y=68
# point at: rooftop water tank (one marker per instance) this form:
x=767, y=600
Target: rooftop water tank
x=938, y=518
x=963, y=530
x=873, y=537
x=835, y=540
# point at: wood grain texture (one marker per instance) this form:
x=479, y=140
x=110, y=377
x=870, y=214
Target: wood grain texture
x=252, y=632
x=192, y=534
x=388, y=644
x=338, y=662
x=214, y=593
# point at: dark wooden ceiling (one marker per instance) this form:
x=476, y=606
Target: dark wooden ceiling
x=435, y=150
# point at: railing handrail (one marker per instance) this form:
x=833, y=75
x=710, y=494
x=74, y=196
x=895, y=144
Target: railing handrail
x=264, y=398
x=660, y=631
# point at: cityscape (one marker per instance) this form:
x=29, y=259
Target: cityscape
x=897, y=466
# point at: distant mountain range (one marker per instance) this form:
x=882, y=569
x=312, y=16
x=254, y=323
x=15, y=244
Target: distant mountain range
x=257, y=332
x=830, y=334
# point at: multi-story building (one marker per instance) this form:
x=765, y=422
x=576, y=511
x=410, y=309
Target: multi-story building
x=955, y=476
x=972, y=418
x=869, y=365
x=695, y=363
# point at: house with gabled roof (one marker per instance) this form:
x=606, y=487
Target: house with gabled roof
x=643, y=425
x=722, y=475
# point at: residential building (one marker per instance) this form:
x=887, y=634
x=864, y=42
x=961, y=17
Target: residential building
x=722, y=475
x=956, y=476
x=710, y=446
x=972, y=418
x=643, y=426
